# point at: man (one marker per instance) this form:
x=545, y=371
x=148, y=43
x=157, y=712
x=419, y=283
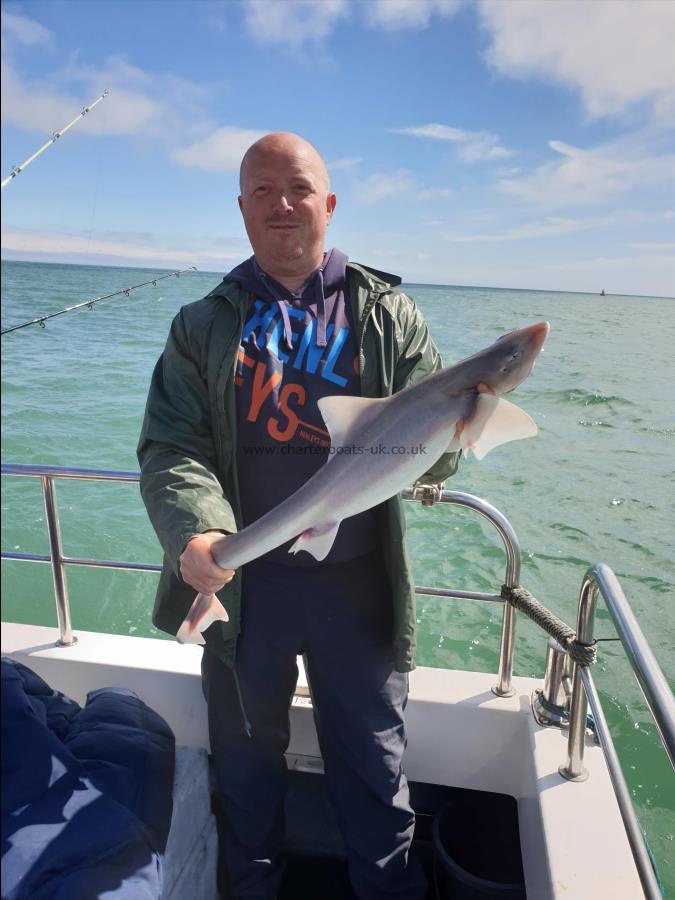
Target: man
x=232, y=428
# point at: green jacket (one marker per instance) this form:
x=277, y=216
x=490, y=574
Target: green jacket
x=187, y=444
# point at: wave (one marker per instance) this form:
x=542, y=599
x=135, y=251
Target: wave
x=581, y=397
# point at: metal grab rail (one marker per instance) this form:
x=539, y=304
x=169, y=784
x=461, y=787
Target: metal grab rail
x=601, y=579
x=48, y=474
x=503, y=688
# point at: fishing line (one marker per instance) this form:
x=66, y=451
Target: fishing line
x=97, y=185
x=90, y=303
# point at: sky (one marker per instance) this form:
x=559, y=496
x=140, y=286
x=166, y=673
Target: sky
x=503, y=143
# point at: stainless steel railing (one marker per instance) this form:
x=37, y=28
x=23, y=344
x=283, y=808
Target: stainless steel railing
x=503, y=688
x=58, y=560
x=56, y=557
x=601, y=579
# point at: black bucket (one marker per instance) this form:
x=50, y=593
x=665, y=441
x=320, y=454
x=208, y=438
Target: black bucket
x=477, y=850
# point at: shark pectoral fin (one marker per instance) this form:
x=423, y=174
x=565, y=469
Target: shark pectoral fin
x=317, y=541
x=205, y=610
x=341, y=413
x=495, y=422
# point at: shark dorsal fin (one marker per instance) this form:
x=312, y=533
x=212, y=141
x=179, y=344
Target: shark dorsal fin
x=341, y=414
x=495, y=422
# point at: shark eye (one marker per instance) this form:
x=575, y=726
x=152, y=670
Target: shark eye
x=513, y=358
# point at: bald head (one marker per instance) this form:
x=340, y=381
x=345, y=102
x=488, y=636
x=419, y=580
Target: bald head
x=282, y=144
x=286, y=204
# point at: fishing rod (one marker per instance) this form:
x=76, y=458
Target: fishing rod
x=90, y=303
x=57, y=134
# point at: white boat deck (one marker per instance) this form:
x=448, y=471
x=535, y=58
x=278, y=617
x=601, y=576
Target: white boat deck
x=460, y=734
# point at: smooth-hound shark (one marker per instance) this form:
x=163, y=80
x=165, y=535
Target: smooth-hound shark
x=373, y=454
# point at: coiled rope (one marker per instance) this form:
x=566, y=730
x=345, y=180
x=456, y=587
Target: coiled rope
x=522, y=599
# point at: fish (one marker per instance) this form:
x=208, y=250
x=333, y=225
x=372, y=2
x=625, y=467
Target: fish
x=381, y=445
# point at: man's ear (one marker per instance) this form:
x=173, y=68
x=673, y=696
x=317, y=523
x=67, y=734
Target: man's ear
x=240, y=201
x=331, y=200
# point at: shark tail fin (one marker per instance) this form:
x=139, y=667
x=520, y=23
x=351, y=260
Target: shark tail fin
x=205, y=610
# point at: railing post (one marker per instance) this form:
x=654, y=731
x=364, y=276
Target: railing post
x=573, y=768
x=66, y=638
x=549, y=705
x=504, y=688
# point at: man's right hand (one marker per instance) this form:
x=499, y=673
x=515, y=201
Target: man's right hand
x=199, y=569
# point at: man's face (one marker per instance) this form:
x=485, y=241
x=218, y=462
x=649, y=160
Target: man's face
x=286, y=208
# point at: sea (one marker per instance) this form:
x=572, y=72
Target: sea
x=595, y=485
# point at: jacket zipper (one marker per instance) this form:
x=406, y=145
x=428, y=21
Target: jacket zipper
x=367, y=309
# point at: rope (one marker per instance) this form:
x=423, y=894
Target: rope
x=522, y=599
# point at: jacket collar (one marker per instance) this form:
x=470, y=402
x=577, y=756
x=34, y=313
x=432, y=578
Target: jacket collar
x=371, y=284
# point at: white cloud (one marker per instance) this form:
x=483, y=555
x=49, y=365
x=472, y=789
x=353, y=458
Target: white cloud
x=612, y=263
x=138, y=103
x=614, y=53
x=555, y=226
x=433, y=193
x=24, y=30
x=381, y=185
x=121, y=247
x=509, y=172
x=549, y=227
x=394, y=15
x=481, y=147
x=293, y=22
x=296, y=22
x=653, y=246
x=474, y=146
x=344, y=164
x=221, y=151
x=586, y=177
x=436, y=131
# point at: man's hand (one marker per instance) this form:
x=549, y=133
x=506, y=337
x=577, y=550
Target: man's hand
x=198, y=568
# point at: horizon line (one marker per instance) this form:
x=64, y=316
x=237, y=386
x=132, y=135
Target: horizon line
x=425, y=284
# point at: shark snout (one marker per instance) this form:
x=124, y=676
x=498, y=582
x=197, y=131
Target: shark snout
x=538, y=333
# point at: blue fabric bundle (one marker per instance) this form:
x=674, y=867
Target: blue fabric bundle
x=86, y=792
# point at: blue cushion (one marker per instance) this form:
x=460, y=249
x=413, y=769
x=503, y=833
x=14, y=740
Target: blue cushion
x=86, y=793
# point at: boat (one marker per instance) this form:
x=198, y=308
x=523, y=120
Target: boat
x=552, y=815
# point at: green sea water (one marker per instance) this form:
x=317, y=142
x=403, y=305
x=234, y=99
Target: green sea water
x=596, y=484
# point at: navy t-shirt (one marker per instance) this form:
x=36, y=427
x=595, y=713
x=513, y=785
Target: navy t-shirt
x=296, y=348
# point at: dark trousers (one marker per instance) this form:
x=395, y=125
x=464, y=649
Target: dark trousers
x=339, y=617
